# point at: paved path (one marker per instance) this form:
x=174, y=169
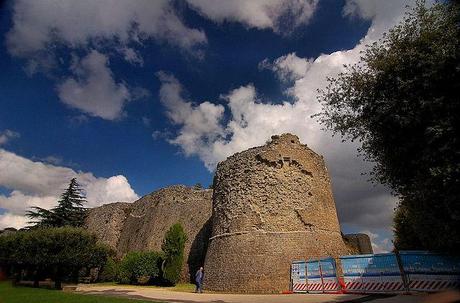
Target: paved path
x=165, y=295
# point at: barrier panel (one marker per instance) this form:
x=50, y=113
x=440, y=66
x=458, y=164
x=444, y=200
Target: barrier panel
x=298, y=276
x=314, y=281
x=371, y=273
x=388, y=273
x=329, y=276
x=430, y=272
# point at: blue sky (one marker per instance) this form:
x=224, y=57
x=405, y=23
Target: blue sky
x=134, y=97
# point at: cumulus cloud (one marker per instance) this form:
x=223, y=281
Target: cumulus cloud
x=281, y=16
x=42, y=28
x=7, y=135
x=38, y=25
x=288, y=68
x=250, y=121
x=93, y=90
x=200, y=123
x=34, y=183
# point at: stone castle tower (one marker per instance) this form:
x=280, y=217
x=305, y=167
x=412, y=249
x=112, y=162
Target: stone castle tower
x=271, y=205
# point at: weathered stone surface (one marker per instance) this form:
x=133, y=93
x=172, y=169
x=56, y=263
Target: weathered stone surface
x=107, y=222
x=360, y=242
x=152, y=215
x=271, y=205
x=141, y=225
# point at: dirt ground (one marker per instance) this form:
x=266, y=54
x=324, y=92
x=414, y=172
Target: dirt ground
x=165, y=295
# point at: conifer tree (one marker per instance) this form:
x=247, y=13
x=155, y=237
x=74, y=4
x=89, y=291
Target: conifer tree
x=173, y=248
x=68, y=212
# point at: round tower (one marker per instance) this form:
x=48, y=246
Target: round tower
x=271, y=205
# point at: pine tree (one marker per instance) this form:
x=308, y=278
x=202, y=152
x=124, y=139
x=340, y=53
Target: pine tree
x=68, y=212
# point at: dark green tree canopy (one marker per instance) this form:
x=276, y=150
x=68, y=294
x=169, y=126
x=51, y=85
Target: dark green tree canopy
x=59, y=250
x=402, y=103
x=173, y=249
x=68, y=212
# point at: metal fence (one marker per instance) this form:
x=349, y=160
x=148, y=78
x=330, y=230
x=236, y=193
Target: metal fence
x=377, y=273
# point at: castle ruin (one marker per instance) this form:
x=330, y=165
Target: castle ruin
x=270, y=205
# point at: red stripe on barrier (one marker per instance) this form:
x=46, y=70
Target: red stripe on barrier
x=398, y=286
x=438, y=285
x=377, y=286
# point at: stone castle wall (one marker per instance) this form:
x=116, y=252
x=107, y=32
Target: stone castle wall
x=271, y=205
x=141, y=225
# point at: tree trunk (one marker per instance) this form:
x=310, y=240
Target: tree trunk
x=17, y=276
x=57, y=279
x=36, y=278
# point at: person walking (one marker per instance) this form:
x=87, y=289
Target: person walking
x=199, y=280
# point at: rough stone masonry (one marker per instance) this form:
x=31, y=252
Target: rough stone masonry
x=270, y=205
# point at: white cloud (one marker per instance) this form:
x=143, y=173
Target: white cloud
x=251, y=121
x=93, y=90
x=41, y=28
x=379, y=245
x=132, y=56
x=200, y=124
x=288, y=68
x=10, y=220
x=39, y=25
x=34, y=183
x=282, y=16
x=7, y=135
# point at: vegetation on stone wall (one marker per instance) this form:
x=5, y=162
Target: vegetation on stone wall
x=173, y=249
x=139, y=267
x=142, y=267
x=58, y=253
x=68, y=212
x=401, y=103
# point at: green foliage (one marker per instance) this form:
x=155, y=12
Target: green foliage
x=69, y=212
x=401, y=103
x=173, y=248
x=139, y=267
x=109, y=271
x=60, y=251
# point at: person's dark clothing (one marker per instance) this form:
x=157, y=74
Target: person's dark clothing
x=199, y=281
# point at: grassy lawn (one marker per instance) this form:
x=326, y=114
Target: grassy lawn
x=9, y=294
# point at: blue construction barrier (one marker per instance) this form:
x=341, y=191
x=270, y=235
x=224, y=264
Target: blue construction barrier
x=298, y=276
x=379, y=273
x=329, y=275
x=371, y=273
x=430, y=272
x=314, y=281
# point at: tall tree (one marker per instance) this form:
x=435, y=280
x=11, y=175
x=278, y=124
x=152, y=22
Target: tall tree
x=401, y=102
x=68, y=212
x=173, y=248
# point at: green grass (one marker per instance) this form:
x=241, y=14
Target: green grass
x=10, y=294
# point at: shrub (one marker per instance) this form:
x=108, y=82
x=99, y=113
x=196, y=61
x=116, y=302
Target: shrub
x=109, y=271
x=139, y=267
